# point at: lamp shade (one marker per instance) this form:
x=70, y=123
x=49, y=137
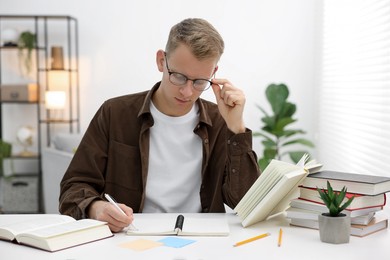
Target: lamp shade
x=55, y=99
x=57, y=58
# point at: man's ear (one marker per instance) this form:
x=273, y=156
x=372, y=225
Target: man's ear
x=160, y=60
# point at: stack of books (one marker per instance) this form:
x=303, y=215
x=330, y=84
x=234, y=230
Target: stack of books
x=366, y=210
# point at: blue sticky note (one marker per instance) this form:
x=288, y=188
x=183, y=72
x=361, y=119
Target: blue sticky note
x=176, y=242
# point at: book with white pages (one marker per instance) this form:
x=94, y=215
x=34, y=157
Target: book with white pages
x=308, y=205
x=378, y=223
x=184, y=224
x=273, y=190
x=297, y=213
x=51, y=232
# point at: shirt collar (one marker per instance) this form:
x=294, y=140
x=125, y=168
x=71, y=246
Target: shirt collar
x=145, y=108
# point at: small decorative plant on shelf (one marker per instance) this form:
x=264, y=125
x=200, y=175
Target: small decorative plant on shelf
x=276, y=137
x=334, y=226
x=27, y=41
x=5, y=152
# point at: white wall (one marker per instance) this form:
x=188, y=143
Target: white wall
x=266, y=41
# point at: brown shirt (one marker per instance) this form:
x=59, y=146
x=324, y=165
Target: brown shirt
x=114, y=152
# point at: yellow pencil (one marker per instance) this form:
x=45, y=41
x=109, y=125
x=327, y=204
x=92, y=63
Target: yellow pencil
x=251, y=239
x=280, y=237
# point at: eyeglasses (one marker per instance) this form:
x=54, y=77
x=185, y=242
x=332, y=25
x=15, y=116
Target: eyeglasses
x=179, y=79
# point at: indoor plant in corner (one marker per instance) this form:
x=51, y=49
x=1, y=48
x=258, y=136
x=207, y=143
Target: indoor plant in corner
x=276, y=135
x=334, y=226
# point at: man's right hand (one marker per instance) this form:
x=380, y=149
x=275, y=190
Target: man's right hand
x=104, y=211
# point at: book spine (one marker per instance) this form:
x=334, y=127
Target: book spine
x=348, y=208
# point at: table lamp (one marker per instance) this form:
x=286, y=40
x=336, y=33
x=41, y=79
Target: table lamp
x=55, y=101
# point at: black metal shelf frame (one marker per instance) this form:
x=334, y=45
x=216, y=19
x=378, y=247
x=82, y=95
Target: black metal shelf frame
x=40, y=23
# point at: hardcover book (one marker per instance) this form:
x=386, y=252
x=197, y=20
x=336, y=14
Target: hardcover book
x=51, y=232
x=308, y=205
x=297, y=213
x=355, y=183
x=359, y=201
x=376, y=224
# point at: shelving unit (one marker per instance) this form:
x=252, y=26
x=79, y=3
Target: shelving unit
x=50, y=30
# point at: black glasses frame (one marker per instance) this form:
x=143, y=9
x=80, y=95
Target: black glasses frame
x=186, y=78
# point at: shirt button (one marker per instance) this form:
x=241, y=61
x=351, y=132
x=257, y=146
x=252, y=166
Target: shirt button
x=228, y=141
x=206, y=141
x=234, y=143
x=233, y=170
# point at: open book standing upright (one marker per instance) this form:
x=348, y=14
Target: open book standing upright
x=273, y=190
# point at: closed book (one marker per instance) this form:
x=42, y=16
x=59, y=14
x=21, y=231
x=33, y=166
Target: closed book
x=355, y=183
x=51, y=232
x=359, y=201
x=378, y=223
x=304, y=204
x=313, y=215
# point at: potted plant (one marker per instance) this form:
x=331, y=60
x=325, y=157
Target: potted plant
x=27, y=41
x=276, y=136
x=334, y=226
x=5, y=152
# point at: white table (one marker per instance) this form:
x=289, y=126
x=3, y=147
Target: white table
x=298, y=243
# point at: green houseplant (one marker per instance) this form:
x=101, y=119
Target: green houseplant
x=276, y=137
x=5, y=152
x=27, y=41
x=334, y=226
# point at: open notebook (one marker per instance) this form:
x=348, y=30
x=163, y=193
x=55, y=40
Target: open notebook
x=207, y=224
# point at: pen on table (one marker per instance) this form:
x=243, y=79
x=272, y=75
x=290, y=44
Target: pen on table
x=251, y=239
x=280, y=237
x=113, y=202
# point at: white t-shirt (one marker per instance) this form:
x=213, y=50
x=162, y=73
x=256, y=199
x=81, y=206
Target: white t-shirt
x=175, y=163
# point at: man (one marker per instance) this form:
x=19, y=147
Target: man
x=166, y=150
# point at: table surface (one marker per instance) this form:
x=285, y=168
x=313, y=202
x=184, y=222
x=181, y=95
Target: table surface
x=297, y=243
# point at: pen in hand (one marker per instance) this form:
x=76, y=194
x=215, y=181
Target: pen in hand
x=113, y=202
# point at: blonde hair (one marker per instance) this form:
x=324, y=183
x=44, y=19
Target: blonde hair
x=199, y=35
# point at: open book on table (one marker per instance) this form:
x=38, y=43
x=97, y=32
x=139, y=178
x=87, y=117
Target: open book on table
x=273, y=190
x=51, y=232
x=170, y=224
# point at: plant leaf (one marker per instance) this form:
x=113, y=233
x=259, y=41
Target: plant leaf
x=289, y=110
x=277, y=96
x=269, y=153
x=290, y=132
x=302, y=141
x=263, y=163
x=296, y=156
x=262, y=110
x=269, y=143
